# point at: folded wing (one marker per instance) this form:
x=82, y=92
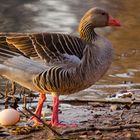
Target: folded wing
x=49, y=47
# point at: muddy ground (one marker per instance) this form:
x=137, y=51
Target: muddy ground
x=103, y=121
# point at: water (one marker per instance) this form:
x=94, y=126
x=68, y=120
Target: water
x=64, y=16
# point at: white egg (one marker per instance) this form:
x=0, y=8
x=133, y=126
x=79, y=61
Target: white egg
x=9, y=117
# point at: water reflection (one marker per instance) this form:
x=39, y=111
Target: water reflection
x=126, y=43
x=64, y=16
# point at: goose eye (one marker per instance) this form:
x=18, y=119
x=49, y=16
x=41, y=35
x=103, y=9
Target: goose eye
x=103, y=13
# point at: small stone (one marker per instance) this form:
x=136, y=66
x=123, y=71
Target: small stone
x=91, y=111
x=128, y=135
x=114, y=107
x=96, y=115
x=98, y=132
x=127, y=106
x=84, y=133
x=83, y=136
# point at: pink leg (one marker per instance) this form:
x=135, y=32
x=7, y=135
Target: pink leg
x=55, y=119
x=42, y=98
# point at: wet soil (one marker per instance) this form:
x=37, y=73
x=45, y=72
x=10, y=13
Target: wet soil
x=107, y=119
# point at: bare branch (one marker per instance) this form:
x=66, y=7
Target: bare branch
x=93, y=128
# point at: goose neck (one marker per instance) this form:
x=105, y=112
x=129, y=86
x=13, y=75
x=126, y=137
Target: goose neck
x=86, y=30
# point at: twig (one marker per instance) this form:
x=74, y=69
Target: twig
x=121, y=115
x=13, y=88
x=23, y=113
x=22, y=91
x=6, y=94
x=134, y=90
x=91, y=101
x=93, y=128
x=48, y=126
x=24, y=100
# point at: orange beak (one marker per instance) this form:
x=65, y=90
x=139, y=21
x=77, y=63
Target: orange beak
x=113, y=22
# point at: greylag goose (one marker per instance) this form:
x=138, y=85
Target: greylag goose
x=57, y=63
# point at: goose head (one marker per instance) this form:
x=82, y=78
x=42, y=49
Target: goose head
x=95, y=17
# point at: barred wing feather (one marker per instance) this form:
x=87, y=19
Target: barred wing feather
x=49, y=47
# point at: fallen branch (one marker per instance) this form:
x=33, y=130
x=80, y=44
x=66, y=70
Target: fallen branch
x=92, y=101
x=93, y=128
x=48, y=126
